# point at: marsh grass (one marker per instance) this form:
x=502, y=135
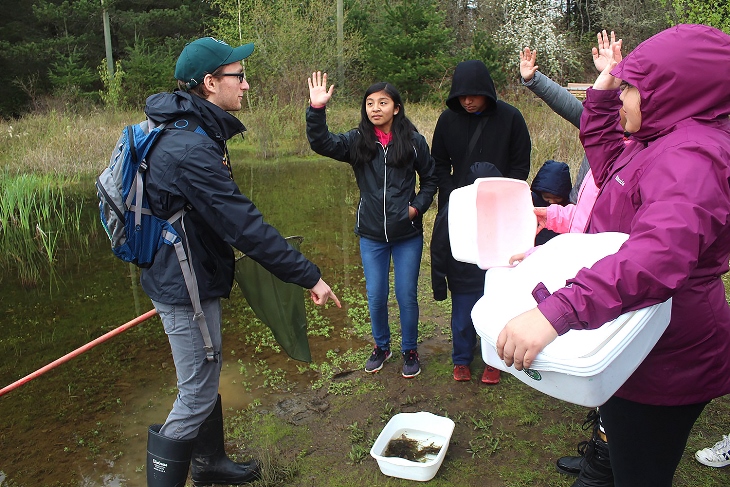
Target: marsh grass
x=35, y=218
x=61, y=144
x=79, y=144
x=268, y=435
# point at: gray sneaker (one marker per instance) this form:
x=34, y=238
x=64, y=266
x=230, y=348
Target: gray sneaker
x=411, y=365
x=376, y=360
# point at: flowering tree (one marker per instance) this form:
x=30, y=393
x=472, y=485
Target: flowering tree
x=533, y=23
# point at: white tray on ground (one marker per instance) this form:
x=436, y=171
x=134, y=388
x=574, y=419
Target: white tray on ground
x=427, y=429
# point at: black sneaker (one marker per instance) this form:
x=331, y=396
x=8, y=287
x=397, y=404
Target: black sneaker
x=411, y=365
x=376, y=360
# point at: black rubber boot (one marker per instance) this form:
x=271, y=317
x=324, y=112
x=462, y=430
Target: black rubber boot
x=592, y=465
x=569, y=465
x=595, y=469
x=168, y=460
x=210, y=464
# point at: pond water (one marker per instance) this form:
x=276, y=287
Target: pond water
x=85, y=421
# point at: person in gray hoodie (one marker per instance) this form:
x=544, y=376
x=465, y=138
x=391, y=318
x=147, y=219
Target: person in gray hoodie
x=477, y=126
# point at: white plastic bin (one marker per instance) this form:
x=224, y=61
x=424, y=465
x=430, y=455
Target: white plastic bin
x=582, y=366
x=490, y=221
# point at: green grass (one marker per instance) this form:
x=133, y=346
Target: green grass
x=36, y=217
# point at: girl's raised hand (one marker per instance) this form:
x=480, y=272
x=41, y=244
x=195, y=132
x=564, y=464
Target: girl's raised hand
x=319, y=95
x=605, y=53
x=605, y=80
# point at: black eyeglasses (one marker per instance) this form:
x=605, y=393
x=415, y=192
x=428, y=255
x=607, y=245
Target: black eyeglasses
x=238, y=75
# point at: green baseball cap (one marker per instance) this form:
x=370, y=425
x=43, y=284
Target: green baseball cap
x=205, y=55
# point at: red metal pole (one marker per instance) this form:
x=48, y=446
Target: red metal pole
x=79, y=351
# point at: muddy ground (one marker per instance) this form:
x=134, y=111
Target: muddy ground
x=505, y=435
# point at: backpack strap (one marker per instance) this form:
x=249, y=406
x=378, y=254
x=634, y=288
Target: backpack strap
x=137, y=190
x=191, y=282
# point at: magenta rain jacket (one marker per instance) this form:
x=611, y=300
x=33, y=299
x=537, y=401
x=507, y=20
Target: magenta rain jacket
x=670, y=191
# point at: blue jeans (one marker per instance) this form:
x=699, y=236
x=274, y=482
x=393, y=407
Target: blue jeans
x=197, y=379
x=463, y=334
x=376, y=257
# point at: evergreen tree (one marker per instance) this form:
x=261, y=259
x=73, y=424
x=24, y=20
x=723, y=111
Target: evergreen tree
x=52, y=47
x=409, y=47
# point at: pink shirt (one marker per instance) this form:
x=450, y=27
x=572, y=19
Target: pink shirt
x=573, y=218
x=383, y=138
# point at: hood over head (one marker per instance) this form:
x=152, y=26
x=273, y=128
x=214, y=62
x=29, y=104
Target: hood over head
x=471, y=78
x=553, y=177
x=681, y=73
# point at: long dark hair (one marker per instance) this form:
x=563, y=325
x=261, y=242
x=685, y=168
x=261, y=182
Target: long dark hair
x=400, y=152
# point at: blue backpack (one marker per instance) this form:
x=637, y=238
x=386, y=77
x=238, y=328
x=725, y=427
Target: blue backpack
x=135, y=233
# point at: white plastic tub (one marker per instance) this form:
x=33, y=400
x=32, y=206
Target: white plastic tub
x=582, y=366
x=490, y=221
x=427, y=429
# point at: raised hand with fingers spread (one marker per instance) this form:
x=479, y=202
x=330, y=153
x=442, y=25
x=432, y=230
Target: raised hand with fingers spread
x=527, y=63
x=319, y=95
x=605, y=58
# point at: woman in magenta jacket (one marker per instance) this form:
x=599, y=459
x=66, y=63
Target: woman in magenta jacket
x=670, y=191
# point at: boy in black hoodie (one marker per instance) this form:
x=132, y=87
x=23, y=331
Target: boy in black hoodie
x=477, y=127
x=466, y=283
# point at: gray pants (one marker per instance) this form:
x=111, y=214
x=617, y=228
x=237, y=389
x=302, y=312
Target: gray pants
x=197, y=379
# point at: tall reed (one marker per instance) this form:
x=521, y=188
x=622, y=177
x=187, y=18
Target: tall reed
x=35, y=218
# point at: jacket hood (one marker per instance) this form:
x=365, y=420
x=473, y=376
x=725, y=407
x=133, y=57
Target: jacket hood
x=553, y=177
x=681, y=73
x=471, y=78
x=482, y=170
x=217, y=123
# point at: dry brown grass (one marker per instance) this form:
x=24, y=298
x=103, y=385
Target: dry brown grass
x=61, y=143
x=74, y=144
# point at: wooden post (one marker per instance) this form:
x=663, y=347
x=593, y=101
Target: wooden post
x=340, y=44
x=107, y=41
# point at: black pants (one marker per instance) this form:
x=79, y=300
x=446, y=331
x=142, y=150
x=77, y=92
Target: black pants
x=646, y=442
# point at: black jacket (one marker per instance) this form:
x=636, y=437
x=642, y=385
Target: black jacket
x=188, y=168
x=386, y=192
x=447, y=272
x=504, y=140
